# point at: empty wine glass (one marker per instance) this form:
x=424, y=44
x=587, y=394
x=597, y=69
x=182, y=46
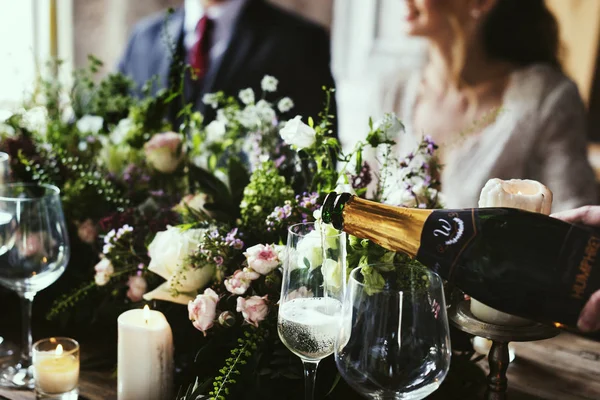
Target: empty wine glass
x=7, y=349
x=311, y=295
x=394, y=340
x=34, y=251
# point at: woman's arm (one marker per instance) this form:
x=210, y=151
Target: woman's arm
x=561, y=149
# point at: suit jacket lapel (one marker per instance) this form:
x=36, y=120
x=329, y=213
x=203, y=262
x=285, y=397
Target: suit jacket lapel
x=170, y=36
x=241, y=44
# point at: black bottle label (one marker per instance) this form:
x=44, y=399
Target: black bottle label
x=446, y=235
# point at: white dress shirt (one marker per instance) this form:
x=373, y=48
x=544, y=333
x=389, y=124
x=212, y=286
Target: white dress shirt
x=224, y=16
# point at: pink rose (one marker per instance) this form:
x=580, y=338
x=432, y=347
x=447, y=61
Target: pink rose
x=203, y=309
x=240, y=281
x=164, y=152
x=137, y=288
x=262, y=258
x=104, y=269
x=254, y=309
x=87, y=231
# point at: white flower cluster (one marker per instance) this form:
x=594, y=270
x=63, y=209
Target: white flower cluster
x=114, y=235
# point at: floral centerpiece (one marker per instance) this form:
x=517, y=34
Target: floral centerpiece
x=197, y=214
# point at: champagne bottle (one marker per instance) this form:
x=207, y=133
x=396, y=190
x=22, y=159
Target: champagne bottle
x=519, y=262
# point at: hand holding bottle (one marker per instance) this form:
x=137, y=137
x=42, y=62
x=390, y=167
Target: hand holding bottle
x=589, y=320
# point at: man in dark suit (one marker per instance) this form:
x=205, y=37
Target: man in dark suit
x=232, y=45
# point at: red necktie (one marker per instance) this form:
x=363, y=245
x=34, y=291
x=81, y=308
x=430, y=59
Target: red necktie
x=200, y=52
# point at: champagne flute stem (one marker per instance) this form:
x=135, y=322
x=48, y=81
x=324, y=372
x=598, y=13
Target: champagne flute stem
x=310, y=378
x=26, y=342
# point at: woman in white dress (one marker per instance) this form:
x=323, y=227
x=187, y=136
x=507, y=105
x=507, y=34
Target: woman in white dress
x=492, y=95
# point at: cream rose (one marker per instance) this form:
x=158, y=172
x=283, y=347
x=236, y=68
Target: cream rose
x=203, y=310
x=240, y=281
x=137, y=288
x=164, y=152
x=254, y=309
x=262, y=258
x=104, y=269
x=297, y=133
x=168, y=253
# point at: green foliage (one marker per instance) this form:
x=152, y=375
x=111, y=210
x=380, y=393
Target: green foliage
x=266, y=190
x=111, y=99
x=247, y=346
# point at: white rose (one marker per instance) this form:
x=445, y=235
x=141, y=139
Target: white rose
x=5, y=115
x=118, y=135
x=269, y=83
x=297, y=133
x=36, y=120
x=247, y=96
x=286, y=104
x=90, y=124
x=164, y=151
x=309, y=250
x=332, y=274
x=215, y=131
x=168, y=253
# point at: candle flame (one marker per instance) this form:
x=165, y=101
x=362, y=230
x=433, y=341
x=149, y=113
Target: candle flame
x=558, y=325
x=146, y=313
x=59, y=350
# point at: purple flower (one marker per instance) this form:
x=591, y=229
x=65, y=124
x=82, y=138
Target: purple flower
x=218, y=260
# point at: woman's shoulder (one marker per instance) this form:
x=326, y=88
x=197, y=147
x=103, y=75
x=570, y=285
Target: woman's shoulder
x=542, y=86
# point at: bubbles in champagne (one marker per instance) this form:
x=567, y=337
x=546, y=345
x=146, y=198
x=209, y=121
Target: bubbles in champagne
x=309, y=326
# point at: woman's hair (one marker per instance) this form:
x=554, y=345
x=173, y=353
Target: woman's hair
x=522, y=32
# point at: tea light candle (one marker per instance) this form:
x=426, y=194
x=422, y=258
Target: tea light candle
x=145, y=356
x=56, y=366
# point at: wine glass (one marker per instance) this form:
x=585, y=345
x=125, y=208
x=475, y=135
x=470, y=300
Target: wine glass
x=34, y=251
x=394, y=339
x=7, y=349
x=311, y=295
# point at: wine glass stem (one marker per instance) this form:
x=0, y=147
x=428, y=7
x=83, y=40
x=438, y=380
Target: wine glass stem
x=26, y=305
x=310, y=377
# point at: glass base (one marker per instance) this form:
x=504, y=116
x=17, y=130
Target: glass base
x=414, y=395
x=16, y=376
x=70, y=395
x=7, y=351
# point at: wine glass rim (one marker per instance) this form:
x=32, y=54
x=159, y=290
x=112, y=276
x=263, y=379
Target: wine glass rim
x=291, y=230
x=53, y=191
x=356, y=270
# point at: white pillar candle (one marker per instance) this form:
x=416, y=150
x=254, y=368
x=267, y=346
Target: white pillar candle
x=145, y=356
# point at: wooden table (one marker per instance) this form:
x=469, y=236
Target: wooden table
x=566, y=367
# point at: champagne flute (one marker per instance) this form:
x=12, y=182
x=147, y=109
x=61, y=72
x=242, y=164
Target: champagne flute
x=394, y=338
x=312, y=291
x=33, y=254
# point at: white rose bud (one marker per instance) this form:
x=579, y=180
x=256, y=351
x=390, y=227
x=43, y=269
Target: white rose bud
x=297, y=133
